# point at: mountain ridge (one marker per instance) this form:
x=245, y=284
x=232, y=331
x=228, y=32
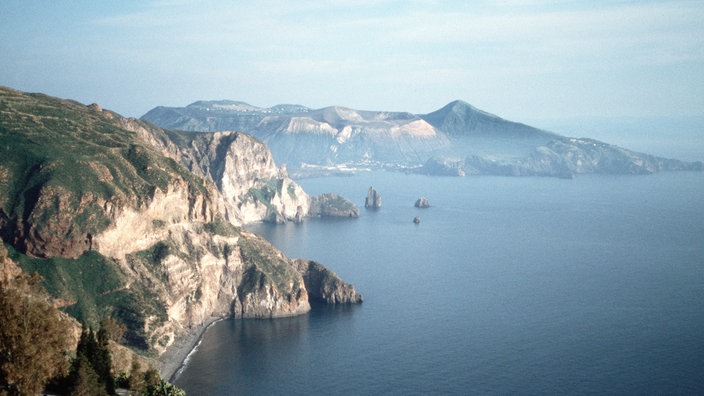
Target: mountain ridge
x=468, y=140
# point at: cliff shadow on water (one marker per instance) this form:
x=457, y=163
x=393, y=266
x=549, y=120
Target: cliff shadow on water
x=256, y=345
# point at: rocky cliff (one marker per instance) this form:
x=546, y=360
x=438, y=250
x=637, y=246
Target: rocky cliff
x=244, y=171
x=324, y=285
x=242, y=168
x=126, y=220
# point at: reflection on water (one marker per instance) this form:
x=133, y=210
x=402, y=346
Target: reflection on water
x=260, y=352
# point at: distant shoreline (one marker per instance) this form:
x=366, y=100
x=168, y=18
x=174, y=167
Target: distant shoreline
x=174, y=360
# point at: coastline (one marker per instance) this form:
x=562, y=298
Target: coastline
x=174, y=359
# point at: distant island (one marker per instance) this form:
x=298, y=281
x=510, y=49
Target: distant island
x=456, y=140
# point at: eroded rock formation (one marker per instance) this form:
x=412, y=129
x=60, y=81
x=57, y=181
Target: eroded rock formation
x=422, y=203
x=373, y=199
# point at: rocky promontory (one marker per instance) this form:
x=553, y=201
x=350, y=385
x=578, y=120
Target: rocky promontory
x=443, y=167
x=324, y=285
x=560, y=157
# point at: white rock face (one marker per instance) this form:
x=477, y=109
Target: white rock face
x=197, y=268
x=251, y=186
x=418, y=128
x=138, y=229
x=202, y=274
x=307, y=125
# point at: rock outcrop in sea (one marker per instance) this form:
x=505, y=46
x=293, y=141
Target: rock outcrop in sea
x=373, y=199
x=332, y=205
x=422, y=203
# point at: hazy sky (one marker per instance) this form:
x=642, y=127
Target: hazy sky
x=520, y=59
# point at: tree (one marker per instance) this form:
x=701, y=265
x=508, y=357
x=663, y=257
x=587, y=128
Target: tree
x=136, y=381
x=149, y=383
x=95, y=355
x=103, y=361
x=84, y=380
x=151, y=378
x=114, y=329
x=33, y=341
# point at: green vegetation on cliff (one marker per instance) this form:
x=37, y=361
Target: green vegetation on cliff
x=65, y=168
x=265, y=193
x=64, y=165
x=267, y=264
x=33, y=337
x=92, y=288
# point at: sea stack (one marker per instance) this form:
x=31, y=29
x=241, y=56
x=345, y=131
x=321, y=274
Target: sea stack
x=373, y=200
x=422, y=202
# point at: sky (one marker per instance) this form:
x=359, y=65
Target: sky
x=520, y=59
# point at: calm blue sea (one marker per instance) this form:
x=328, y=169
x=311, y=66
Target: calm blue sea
x=507, y=286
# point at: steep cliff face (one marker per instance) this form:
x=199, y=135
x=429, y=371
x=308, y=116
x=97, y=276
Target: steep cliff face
x=271, y=287
x=126, y=220
x=67, y=171
x=252, y=187
x=324, y=285
x=198, y=267
x=247, y=177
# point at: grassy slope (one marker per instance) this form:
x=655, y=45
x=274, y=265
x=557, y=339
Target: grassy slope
x=58, y=159
x=81, y=156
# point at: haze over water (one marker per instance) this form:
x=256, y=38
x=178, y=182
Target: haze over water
x=508, y=285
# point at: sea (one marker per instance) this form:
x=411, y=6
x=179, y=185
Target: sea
x=507, y=285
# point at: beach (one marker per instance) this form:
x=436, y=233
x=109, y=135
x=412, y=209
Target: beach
x=175, y=357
